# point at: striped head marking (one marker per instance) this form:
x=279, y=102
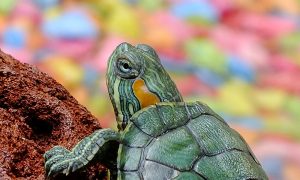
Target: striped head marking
x=136, y=79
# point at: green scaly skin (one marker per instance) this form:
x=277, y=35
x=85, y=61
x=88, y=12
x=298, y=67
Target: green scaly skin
x=169, y=139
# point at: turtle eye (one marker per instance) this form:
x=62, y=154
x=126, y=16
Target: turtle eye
x=126, y=69
x=124, y=66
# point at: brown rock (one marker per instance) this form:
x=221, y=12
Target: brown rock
x=37, y=113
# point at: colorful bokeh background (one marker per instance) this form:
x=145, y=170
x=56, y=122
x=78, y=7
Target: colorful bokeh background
x=241, y=57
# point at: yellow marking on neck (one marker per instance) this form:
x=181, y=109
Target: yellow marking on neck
x=116, y=97
x=145, y=97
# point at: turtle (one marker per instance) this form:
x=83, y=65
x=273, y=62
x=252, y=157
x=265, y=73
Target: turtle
x=159, y=135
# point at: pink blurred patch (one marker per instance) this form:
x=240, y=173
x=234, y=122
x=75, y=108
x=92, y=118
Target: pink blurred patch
x=222, y=5
x=284, y=80
x=281, y=63
x=107, y=46
x=278, y=147
x=261, y=24
x=27, y=9
x=74, y=48
x=191, y=85
x=169, y=34
x=245, y=45
x=180, y=29
x=22, y=55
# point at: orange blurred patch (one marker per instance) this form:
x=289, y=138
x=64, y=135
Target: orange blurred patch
x=291, y=171
x=251, y=136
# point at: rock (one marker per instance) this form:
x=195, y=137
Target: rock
x=37, y=113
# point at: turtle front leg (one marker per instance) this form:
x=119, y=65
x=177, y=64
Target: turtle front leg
x=60, y=160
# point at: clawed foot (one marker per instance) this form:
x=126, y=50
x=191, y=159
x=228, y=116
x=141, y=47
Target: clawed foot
x=59, y=160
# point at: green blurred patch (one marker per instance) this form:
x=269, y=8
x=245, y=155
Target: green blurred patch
x=204, y=53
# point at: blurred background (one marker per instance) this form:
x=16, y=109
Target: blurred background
x=241, y=57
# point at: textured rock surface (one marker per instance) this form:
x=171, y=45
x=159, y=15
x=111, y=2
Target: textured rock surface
x=37, y=113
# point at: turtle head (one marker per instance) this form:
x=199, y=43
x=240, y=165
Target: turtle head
x=136, y=79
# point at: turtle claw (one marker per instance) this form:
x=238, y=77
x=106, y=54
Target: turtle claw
x=59, y=168
x=55, y=157
x=53, y=161
x=58, y=164
x=63, y=164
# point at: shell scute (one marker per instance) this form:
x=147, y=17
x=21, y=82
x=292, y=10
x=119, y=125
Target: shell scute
x=129, y=158
x=214, y=136
x=134, y=137
x=231, y=165
x=149, y=121
x=176, y=149
x=172, y=115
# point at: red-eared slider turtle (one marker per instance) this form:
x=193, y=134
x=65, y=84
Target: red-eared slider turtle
x=160, y=136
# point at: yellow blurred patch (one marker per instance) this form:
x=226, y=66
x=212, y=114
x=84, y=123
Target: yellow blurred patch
x=269, y=99
x=236, y=98
x=64, y=70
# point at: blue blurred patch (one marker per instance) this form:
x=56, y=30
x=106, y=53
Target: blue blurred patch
x=273, y=167
x=239, y=68
x=70, y=25
x=249, y=122
x=14, y=37
x=190, y=8
x=209, y=77
x=178, y=67
x=44, y=4
x=205, y=75
x=91, y=78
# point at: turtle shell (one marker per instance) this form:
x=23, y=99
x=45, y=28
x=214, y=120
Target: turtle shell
x=184, y=141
